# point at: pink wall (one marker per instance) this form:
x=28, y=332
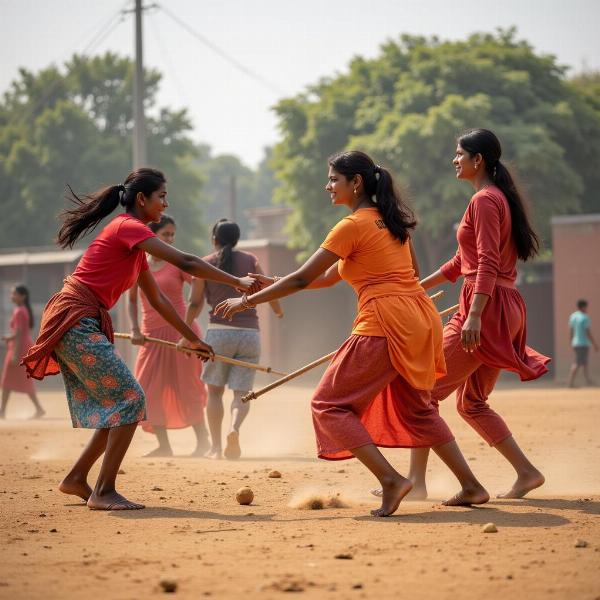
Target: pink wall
x=576, y=250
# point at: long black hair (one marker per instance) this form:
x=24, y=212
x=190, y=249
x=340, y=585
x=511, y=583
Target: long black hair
x=485, y=142
x=90, y=209
x=24, y=291
x=227, y=234
x=380, y=189
x=165, y=220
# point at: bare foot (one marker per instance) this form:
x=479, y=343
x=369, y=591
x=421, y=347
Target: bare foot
x=38, y=414
x=160, y=451
x=523, y=485
x=232, y=448
x=418, y=492
x=111, y=501
x=1, y=414
x=214, y=454
x=202, y=447
x=468, y=496
x=393, y=492
x=76, y=487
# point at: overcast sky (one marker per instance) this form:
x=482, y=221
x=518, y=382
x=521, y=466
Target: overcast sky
x=287, y=45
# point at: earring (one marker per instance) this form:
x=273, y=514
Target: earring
x=355, y=191
x=476, y=167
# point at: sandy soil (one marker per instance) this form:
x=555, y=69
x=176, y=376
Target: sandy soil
x=195, y=534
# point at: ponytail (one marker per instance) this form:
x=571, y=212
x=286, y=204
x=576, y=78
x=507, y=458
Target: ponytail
x=226, y=234
x=86, y=215
x=525, y=238
x=90, y=209
x=380, y=188
x=397, y=216
x=23, y=291
x=485, y=142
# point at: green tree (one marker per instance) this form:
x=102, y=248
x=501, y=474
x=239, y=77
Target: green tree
x=406, y=107
x=73, y=126
x=252, y=188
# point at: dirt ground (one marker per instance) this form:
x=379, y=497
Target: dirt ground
x=194, y=533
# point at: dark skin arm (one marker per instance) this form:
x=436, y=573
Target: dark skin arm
x=300, y=279
x=195, y=266
x=137, y=337
x=161, y=304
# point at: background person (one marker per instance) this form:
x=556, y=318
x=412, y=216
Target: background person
x=175, y=395
x=581, y=340
x=238, y=338
x=18, y=342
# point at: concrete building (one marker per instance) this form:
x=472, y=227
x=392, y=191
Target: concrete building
x=576, y=251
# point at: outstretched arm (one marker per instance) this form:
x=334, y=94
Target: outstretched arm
x=274, y=304
x=327, y=279
x=162, y=305
x=317, y=264
x=196, y=266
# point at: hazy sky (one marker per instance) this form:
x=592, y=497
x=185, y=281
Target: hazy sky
x=288, y=44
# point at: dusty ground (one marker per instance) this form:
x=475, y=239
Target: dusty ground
x=195, y=534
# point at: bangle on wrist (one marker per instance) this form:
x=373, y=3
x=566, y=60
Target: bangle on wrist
x=276, y=278
x=245, y=302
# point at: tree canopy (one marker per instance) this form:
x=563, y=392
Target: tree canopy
x=73, y=126
x=406, y=107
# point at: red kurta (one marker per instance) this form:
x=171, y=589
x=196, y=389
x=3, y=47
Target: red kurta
x=175, y=395
x=487, y=258
x=14, y=376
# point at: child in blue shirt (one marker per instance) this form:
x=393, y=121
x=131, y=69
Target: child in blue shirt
x=581, y=340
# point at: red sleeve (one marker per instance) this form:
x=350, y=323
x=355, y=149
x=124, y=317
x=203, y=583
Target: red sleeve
x=452, y=269
x=131, y=232
x=486, y=222
x=341, y=240
x=22, y=320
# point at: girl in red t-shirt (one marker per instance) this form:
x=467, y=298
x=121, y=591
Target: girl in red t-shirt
x=76, y=333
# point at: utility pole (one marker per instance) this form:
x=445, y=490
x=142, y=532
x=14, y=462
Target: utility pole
x=232, y=198
x=139, y=120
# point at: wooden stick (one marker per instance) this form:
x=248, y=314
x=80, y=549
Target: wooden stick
x=450, y=310
x=437, y=295
x=218, y=357
x=252, y=395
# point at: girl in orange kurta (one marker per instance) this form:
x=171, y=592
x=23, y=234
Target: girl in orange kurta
x=14, y=376
x=376, y=390
x=488, y=333
x=175, y=395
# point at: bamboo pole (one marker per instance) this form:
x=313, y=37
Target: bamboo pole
x=253, y=395
x=218, y=357
x=450, y=310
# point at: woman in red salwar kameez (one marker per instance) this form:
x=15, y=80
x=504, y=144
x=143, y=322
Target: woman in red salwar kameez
x=488, y=333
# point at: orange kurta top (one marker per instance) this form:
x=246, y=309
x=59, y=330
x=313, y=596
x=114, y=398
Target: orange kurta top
x=391, y=301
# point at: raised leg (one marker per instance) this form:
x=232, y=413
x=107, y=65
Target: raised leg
x=214, y=414
x=105, y=496
x=75, y=482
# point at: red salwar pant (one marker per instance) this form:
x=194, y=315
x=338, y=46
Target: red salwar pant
x=361, y=399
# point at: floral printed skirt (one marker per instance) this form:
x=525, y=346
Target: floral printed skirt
x=101, y=390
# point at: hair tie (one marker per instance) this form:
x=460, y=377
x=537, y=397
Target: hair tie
x=377, y=172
